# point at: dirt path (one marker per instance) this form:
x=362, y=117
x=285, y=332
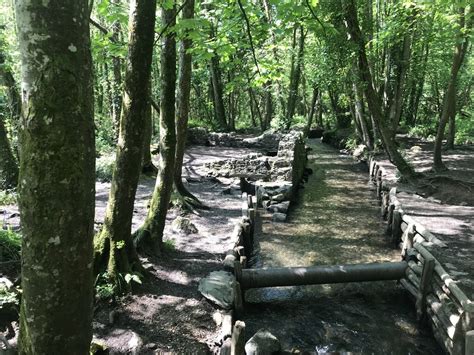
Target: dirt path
x=450, y=213
x=336, y=222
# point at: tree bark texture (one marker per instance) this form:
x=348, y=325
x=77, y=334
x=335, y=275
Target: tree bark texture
x=114, y=246
x=182, y=103
x=57, y=177
x=151, y=233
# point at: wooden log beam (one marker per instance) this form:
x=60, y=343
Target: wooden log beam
x=313, y=275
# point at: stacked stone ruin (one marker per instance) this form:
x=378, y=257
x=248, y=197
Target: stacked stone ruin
x=273, y=192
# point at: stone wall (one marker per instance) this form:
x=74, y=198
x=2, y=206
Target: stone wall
x=267, y=141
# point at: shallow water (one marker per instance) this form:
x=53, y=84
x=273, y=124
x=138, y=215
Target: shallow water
x=336, y=221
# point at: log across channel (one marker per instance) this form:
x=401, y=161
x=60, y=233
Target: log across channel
x=314, y=275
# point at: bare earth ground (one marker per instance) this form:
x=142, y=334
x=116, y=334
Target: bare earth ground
x=449, y=213
x=167, y=313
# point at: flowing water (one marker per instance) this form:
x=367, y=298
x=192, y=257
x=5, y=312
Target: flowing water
x=336, y=221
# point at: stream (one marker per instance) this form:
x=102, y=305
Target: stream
x=336, y=221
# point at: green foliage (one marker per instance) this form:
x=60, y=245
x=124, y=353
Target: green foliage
x=105, y=289
x=105, y=137
x=8, y=298
x=465, y=128
x=104, y=167
x=10, y=245
x=8, y=197
x=169, y=245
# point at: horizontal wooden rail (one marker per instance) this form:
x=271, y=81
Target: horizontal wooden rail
x=313, y=275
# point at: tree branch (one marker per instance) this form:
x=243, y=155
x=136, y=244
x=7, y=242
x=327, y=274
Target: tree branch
x=249, y=33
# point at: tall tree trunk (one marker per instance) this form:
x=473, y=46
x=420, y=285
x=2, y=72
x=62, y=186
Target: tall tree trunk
x=451, y=130
x=114, y=248
x=269, y=19
x=182, y=103
x=449, y=101
x=295, y=78
x=148, y=167
x=373, y=100
x=117, y=74
x=8, y=165
x=312, y=109
x=57, y=177
x=360, y=115
x=268, y=106
x=395, y=110
x=217, y=89
x=151, y=233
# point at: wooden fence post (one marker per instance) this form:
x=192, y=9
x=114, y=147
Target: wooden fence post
x=238, y=339
x=425, y=287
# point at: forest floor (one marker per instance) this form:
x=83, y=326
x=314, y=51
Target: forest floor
x=168, y=314
x=447, y=208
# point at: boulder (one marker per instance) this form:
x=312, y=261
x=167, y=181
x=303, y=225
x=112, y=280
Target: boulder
x=218, y=287
x=183, y=225
x=278, y=217
x=360, y=151
x=263, y=342
x=280, y=207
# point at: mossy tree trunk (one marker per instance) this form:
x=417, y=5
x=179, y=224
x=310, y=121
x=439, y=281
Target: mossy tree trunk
x=182, y=103
x=8, y=165
x=150, y=235
x=148, y=167
x=373, y=99
x=57, y=177
x=114, y=248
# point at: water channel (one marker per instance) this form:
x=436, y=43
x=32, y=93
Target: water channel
x=336, y=221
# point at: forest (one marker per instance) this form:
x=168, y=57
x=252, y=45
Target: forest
x=103, y=96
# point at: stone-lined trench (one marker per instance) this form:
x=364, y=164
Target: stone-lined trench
x=336, y=221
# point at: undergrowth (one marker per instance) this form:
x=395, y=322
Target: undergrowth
x=10, y=245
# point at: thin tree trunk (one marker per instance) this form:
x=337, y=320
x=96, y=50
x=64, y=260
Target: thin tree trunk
x=57, y=177
x=114, y=248
x=312, y=109
x=268, y=106
x=151, y=233
x=182, y=103
x=148, y=167
x=449, y=101
x=295, y=78
x=217, y=90
x=360, y=114
x=8, y=164
x=374, y=102
x=117, y=74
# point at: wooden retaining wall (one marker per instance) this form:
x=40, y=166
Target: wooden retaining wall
x=438, y=299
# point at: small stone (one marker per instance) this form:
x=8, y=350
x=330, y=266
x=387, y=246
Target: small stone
x=280, y=207
x=151, y=346
x=278, y=217
x=263, y=342
x=184, y=225
x=279, y=197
